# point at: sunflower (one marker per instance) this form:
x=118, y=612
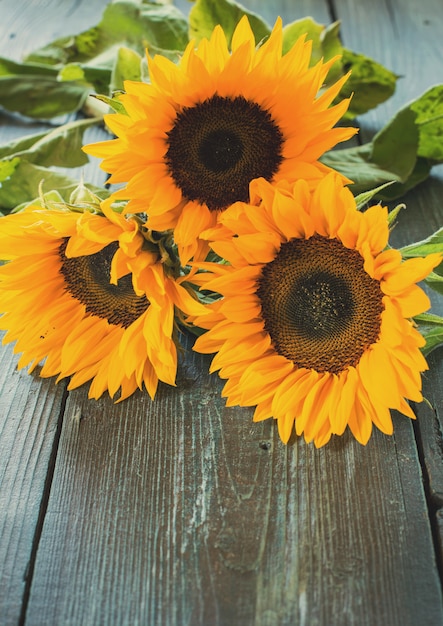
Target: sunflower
x=193, y=139
x=87, y=294
x=313, y=326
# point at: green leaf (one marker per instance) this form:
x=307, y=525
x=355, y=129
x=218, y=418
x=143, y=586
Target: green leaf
x=7, y=168
x=113, y=103
x=127, y=66
x=206, y=14
x=429, y=111
x=356, y=163
x=395, y=146
x=60, y=146
x=431, y=244
x=57, y=79
x=431, y=327
x=40, y=96
x=313, y=31
x=35, y=90
x=326, y=42
x=435, y=281
x=420, y=173
x=370, y=83
x=22, y=187
x=393, y=213
x=72, y=71
x=12, y=68
x=129, y=24
x=403, y=151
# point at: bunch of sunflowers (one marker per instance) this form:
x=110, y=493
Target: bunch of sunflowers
x=225, y=220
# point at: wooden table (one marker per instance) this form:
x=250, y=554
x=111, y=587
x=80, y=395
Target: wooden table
x=184, y=512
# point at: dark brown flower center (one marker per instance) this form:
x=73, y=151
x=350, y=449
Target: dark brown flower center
x=87, y=280
x=321, y=308
x=218, y=146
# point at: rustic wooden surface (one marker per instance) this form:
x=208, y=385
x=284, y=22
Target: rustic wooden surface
x=184, y=512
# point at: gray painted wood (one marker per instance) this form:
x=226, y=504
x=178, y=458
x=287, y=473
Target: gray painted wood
x=182, y=511
x=29, y=413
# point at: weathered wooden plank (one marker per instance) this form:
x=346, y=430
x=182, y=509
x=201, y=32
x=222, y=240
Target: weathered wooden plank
x=430, y=439
x=29, y=416
x=398, y=24
x=430, y=425
x=30, y=408
x=403, y=36
x=422, y=216
x=182, y=511
x=200, y=517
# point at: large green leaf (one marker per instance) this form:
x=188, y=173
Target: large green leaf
x=128, y=66
x=60, y=146
x=357, y=164
x=24, y=162
x=23, y=185
x=206, y=14
x=35, y=90
x=370, y=83
x=129, y=24
x=56, y=79
x=403, y=151
x=429, y=110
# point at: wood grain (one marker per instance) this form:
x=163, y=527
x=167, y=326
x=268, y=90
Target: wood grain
x=182, y=511
x=29, y=415
x=200, y=517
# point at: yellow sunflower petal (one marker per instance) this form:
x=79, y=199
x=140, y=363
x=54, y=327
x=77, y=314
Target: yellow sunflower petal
x=326, y=365
x=61, y=309
x=244, y=132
